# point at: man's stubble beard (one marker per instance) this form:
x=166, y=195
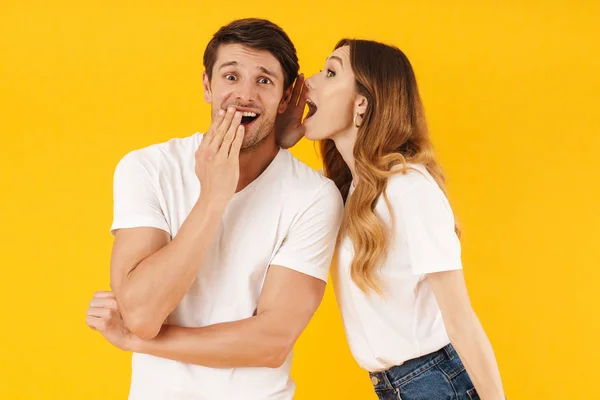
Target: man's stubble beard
x=267, y=126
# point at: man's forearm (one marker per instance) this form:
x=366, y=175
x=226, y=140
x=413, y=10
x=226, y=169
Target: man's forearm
x=251, y=342
x=476, y=353
x=156, y=285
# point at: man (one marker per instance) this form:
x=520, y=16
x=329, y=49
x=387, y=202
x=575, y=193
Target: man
x=222, y=241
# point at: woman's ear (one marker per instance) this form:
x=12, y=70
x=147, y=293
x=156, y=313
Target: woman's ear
x=360, y=105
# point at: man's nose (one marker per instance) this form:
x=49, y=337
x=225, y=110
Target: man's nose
x=246, y=92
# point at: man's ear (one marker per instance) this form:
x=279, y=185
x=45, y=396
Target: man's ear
x=285, y=100
x=206, y=85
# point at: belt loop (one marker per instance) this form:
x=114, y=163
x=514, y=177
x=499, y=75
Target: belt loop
x=449, y=351
x=386, y=379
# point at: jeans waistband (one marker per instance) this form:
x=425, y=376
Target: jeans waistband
x=398, y=375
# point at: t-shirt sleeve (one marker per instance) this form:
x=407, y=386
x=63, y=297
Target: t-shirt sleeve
x=310, y=243
x=427, y=224
x=135, y=197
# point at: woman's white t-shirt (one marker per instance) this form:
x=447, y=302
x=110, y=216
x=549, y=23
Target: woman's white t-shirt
x=406, y=321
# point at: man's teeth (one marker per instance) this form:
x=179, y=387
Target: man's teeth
x=249, y=114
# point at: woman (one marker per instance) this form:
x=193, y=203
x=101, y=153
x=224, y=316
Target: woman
x=397, y=273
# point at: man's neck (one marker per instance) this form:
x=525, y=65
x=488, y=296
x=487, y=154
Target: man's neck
x=253, y=162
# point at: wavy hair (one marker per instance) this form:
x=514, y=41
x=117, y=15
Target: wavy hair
x=393, y=132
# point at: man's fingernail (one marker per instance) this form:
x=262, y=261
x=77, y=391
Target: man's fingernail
x=230, y=110
x=221, y=112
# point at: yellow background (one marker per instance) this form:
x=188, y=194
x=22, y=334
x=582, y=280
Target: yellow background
x=511, y=92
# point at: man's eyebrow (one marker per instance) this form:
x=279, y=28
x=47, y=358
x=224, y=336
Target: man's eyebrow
x=268, y=72
x=228, y=64
x=262, y=69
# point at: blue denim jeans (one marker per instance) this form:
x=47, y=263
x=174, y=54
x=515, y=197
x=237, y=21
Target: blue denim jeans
x=436, y=376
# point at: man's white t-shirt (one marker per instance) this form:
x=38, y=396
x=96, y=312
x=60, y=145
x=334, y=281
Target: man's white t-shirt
x=288, y=216
x=406, y=321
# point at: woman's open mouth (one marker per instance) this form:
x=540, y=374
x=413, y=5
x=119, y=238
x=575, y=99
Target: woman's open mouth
x=312, y=108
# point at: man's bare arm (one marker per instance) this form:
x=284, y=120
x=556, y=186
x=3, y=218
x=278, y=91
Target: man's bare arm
x=150, y=274
x=287, y=303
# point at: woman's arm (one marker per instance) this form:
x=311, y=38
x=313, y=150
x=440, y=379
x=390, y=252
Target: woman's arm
x=466, y=333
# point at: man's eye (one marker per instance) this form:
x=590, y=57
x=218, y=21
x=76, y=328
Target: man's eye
x=264, y=81
x=230, y=77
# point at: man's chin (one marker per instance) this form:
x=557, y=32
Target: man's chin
x=252, y=141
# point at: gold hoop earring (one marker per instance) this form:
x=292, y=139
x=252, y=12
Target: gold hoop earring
x=355, y=124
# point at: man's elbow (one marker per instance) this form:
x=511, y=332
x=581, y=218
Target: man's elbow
x=143, y=327
x=141, y=323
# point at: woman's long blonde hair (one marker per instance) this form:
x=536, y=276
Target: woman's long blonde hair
x=393, y=132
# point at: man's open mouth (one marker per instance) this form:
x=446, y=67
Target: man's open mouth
x=248, y=117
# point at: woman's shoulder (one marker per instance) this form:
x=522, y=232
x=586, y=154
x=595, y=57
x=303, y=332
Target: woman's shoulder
x=417, y=193
x=408, y=179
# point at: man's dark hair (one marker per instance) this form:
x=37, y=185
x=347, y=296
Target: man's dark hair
x=258, y=34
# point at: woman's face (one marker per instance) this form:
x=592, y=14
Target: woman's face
x=331, y=97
